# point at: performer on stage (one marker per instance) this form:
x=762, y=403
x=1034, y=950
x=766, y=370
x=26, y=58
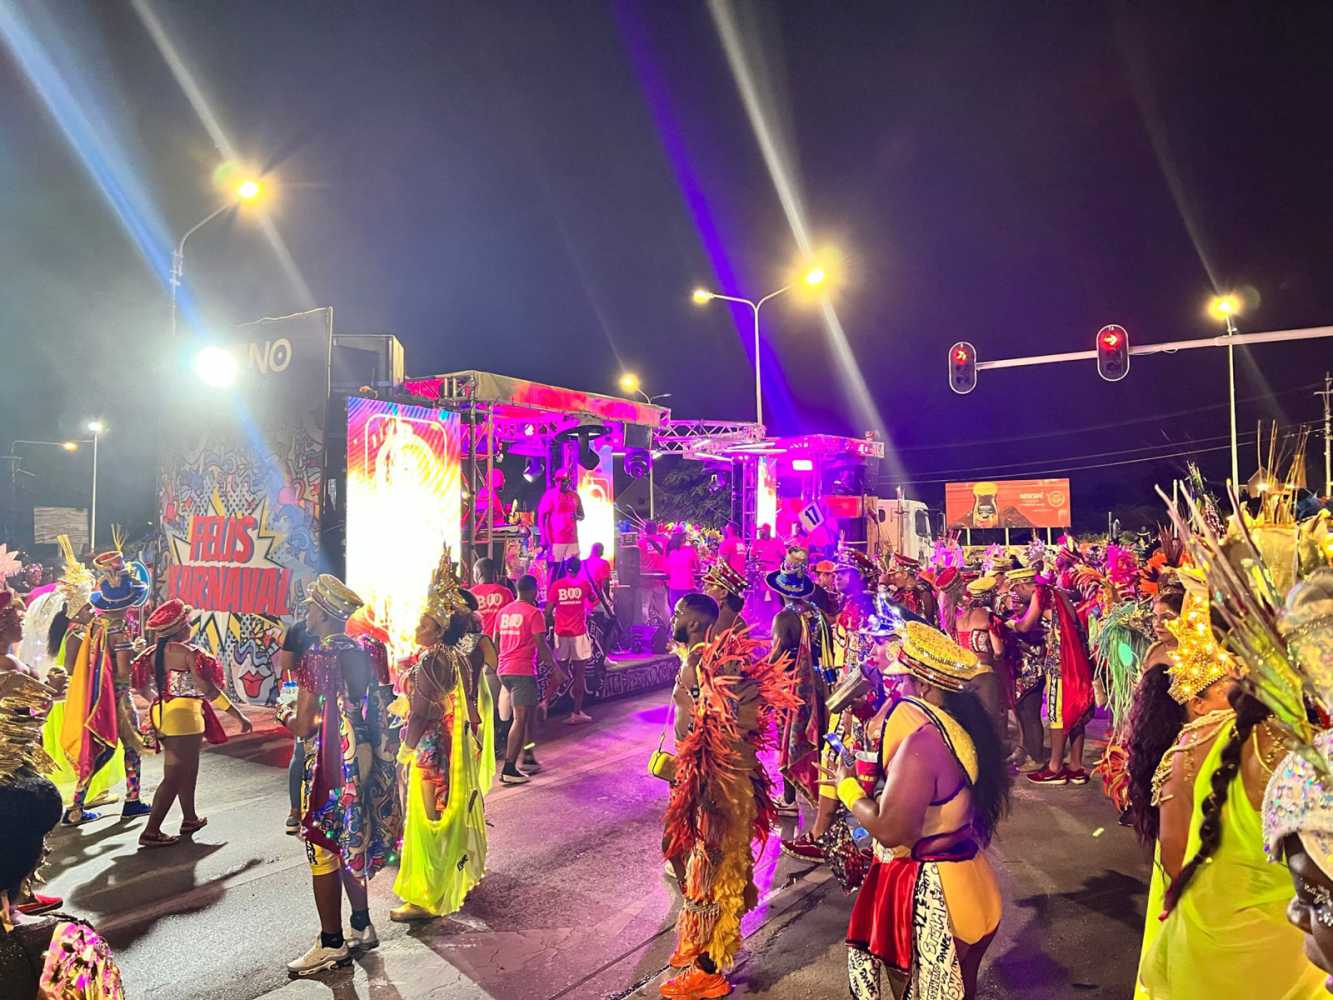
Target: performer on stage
x=802, y=639
x=558, y=517
x=444, y=831
x=930, y=906
x=732, y=548
x=351, y=816
x=728, y=698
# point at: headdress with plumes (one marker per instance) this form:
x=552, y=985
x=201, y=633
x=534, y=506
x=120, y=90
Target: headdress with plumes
x=1198, y=661
x=993, y=557
x=76, y=583
x=24, y=702
x=445, y=596
x=1035, y=553
x=1163, y=563
x=10, y=564
x=1249, y=572
x=1119, y=639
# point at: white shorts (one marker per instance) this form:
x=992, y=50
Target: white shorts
x=560, y=551
x=573, y=647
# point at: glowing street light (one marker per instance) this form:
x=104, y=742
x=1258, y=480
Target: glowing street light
x=246, y=191
x=217, y=367
x=629, y=382
x=813, y=278
x=1225, y=308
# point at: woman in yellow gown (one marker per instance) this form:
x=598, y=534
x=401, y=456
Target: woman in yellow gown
x=444, y=829
x=1222, y=929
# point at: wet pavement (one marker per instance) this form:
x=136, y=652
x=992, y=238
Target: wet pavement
x=574, y=904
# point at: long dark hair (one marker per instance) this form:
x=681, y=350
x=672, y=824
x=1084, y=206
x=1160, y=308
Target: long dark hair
x=160, y=664
x=1155, y=720
x=55, y=635
x=990, y=792
x=29, y=810
x=1249, y=713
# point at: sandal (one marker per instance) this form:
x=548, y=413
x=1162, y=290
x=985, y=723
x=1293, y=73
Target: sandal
x=151, y=840
x=189, y=829
x=84, y=817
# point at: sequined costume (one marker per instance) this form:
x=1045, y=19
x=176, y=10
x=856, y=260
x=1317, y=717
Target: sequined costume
x=444, y=833
x=349, y=795
x=57, y=957
x=183, y=708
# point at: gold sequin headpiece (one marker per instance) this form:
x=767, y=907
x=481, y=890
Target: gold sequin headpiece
x=1197, y=662
x=936, y=659
x=77, y=581
x=445, y=596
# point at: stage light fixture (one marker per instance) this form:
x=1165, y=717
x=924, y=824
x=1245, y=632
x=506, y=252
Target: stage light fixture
x=802, y=465
x=532, y=470
x=637, y=463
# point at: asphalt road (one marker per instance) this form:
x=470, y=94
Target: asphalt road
x=574, y=904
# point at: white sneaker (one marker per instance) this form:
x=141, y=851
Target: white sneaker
x=577, y=719
x=363, y=940
x=319, y=958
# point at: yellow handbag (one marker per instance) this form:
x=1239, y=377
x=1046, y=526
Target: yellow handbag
x=662, y=763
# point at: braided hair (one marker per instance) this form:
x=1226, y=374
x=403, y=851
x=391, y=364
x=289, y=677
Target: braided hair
x=1249, y=713
x=1155, y=720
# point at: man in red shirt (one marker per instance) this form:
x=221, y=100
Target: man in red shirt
x=521, y=638
x=491, y=595
x=558, y=517
x=569, y=599
x=598, y=570
x=732, y=549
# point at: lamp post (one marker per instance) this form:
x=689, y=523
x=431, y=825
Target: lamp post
x=813, y=277
x=97, y=428
x=630, y=383
x=1226, y=308
x=246, y=191
x=13, y=459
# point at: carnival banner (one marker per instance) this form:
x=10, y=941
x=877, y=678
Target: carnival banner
x=240, y=496
x=404, y=503
x=1011, y=503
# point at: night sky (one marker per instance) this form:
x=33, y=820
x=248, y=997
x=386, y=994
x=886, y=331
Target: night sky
x=535, y=188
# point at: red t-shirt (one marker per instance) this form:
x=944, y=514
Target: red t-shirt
x=652, y=554
x=519, y=625
x=732, y=552
x=571, y=597
x=562, y=509
x=599, y=572
x=491, y=597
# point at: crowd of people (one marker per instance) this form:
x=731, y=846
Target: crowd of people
x=884, y=708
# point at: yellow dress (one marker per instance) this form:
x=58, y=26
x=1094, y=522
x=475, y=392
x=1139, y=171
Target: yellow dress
x=1229, y=936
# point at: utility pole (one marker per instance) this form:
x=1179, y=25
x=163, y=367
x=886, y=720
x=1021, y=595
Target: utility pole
x=1327, y=393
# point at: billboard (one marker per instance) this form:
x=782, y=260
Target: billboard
x=404, y=502
x=1007, y=503
x=49, y=523
x=240, y=495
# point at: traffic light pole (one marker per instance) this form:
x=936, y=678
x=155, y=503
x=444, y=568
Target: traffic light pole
x=1225, y=340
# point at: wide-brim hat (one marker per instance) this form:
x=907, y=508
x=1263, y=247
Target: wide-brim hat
x=169, y=616
x=334, y=597
x=901, y=561
x=932, y=656
x=110, y=562
x=982, y=585
x=118, y=594
x=793, y=584
x=946, y=578
x=724, y=577
x=1021, y=575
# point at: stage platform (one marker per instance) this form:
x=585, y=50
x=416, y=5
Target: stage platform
x=626, y=674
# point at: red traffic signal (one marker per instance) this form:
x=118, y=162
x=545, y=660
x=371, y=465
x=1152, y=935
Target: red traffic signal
x=1112, y=352
x=962, y=368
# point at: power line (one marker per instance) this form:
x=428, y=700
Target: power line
x=1086, y=468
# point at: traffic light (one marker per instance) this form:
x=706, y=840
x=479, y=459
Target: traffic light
x=1112, y=353
x=962, y=368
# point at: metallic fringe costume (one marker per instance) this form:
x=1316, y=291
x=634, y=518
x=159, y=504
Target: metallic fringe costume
x=722, y=799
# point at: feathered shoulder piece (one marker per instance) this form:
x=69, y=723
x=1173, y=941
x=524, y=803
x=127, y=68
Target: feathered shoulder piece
x=24, y=702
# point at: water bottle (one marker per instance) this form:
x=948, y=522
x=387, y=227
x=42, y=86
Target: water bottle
x=287, y=696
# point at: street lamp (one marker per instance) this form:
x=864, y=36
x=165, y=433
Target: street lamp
x=97, y=428
x=629, y=382
x=248, y=190
x=813, y=277
x=1226, y=308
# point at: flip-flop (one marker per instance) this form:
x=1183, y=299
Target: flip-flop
x=188, y=829
x=84, y=817
x=148, y=842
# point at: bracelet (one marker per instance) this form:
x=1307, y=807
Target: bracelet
x=850, y=792
x=221, y=703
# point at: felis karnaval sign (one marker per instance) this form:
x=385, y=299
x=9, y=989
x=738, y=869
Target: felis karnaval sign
x=240, y=499
x=1008, y=503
